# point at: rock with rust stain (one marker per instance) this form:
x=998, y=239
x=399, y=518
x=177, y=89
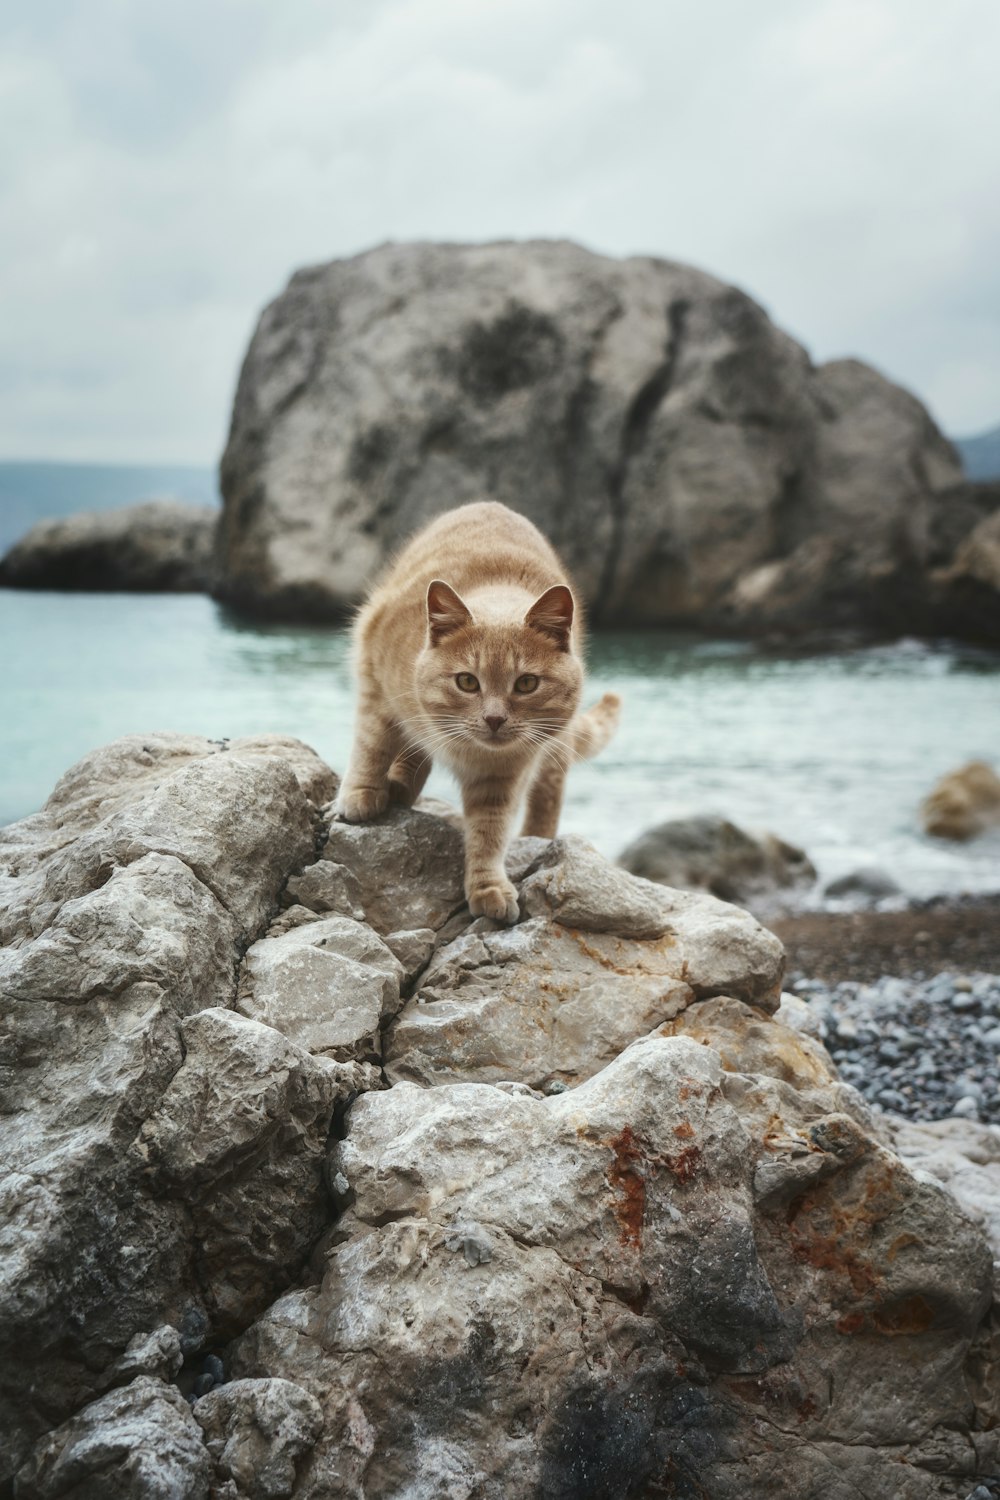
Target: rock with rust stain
x=697, y=1277
x=612, y=1230
x=602, y=959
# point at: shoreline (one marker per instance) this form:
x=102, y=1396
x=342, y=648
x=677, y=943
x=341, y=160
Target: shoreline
x=955, y=933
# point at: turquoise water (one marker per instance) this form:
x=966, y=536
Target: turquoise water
x=832, y=752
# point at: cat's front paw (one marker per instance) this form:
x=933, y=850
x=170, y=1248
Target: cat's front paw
x=360, y=804
x=498, y=900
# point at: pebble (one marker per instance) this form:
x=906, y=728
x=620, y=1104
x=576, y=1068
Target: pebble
x=925, y=1047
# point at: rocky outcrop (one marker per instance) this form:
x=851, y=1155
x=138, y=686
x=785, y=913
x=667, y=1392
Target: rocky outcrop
x=968, y=585
x=160, y=546
x=709, y=853
x=964, y=803
x=685, y=457
x=449, y=1209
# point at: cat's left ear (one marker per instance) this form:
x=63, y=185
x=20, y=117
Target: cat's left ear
x=552, y=614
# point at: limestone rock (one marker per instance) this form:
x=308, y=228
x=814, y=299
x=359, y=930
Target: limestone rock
x=682, y=453
x=326, y=886
x=692, y=1264
x=256, y=1431
x=669, y=1275
x=964, y=1155
x=408, y=867
x=159, y=546
x=550, y=1001
x=141, y=1440
x=964, y=804
x=711, y=854
x=126, y=905
x=328, y=985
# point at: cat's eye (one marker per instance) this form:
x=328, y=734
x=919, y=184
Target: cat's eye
x=526, y=684
x=467, y=682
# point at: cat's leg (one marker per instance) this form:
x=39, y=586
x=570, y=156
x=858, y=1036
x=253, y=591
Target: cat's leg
x=407, y=776
x=545, y=794
x=364, y=791
x=584, y=736
x=489, y=804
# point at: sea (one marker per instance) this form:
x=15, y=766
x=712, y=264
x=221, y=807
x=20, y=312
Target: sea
x=833, y=751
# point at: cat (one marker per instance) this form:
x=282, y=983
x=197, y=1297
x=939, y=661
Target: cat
x=468, y=649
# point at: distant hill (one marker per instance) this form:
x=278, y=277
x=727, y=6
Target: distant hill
x=981, y=454
x=31, y=492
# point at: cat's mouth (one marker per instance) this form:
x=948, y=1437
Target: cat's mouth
x=499, y=740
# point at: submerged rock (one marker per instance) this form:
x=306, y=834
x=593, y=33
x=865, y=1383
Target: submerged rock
x=865, y=886
x=159, y=546
x=685, y=457
x=693, y=1264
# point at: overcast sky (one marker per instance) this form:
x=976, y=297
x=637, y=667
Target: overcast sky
x=164, y=168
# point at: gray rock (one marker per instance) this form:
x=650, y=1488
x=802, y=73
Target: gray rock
x=689, y=1254
x=329, y=986
x=326, y=886
x=717, y=1275
x=864, y=886
x=158, y=1353
x=127, y=903
x=968, y=585
x=408, y=868
x=256, y=1431
x=710, y=853
x=555, y=998
x=412, y=949
x=963, y=1155
x=160, y=546
x=685, y=457
x=141, y=1440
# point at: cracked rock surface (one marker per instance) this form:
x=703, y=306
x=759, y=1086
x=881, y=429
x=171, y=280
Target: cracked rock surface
x=686, y=458
x=444, y=1209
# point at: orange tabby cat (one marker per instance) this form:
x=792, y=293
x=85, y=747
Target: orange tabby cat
x=482, y=670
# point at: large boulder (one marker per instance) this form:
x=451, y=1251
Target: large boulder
x=685, y=457
x=555, y=1210
x=159, y=546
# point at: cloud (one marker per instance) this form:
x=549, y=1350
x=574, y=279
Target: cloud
x=166, y=168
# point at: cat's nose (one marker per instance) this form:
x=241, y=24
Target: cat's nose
x=495, y=721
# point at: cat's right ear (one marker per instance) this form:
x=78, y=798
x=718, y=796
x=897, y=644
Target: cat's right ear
x=446, y=612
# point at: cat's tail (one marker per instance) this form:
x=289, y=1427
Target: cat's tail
x=591, y=730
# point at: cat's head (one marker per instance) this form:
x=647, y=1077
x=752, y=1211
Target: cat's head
x=502, y=680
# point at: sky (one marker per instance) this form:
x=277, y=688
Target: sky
x=164, y=169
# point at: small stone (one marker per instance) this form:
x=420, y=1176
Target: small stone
x=203, y=1385
x=966, y=1108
